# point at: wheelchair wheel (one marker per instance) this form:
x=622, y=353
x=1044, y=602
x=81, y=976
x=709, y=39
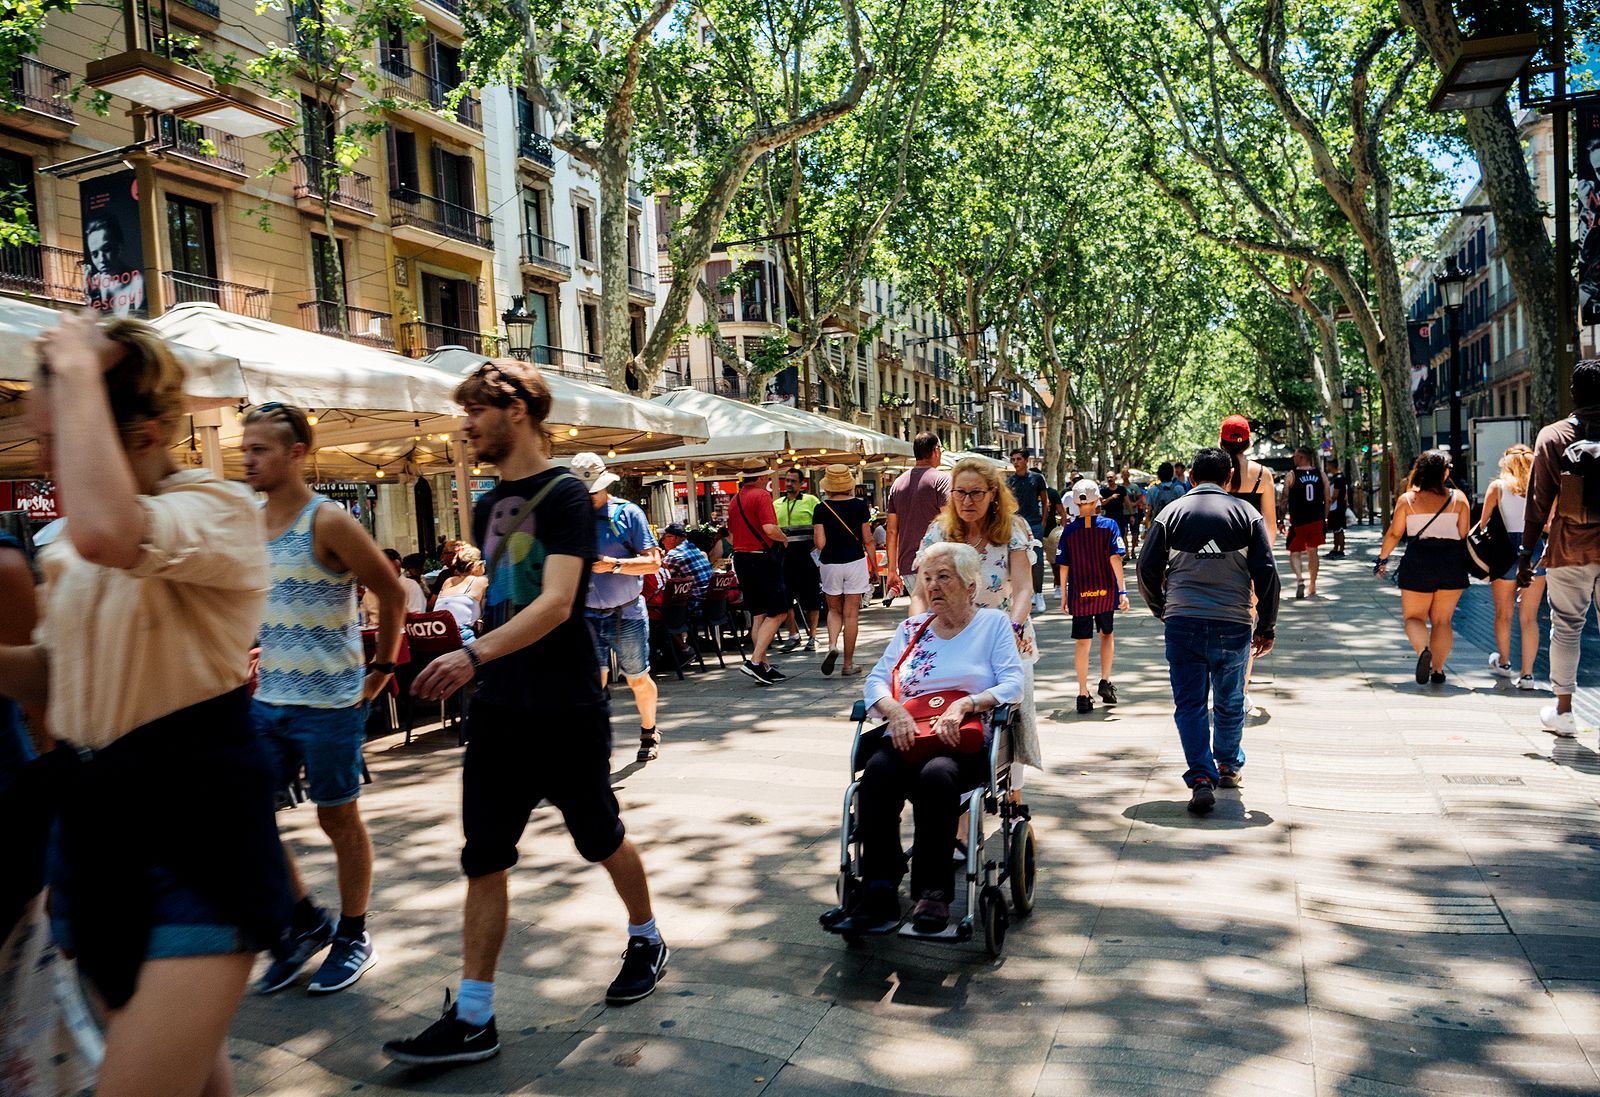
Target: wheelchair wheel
x=1022, y=868
x=993, y=919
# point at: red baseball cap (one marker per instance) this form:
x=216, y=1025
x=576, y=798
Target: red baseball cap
x=1236, y=428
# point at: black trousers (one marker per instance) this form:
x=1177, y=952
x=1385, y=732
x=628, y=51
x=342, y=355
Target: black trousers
x=934, y=788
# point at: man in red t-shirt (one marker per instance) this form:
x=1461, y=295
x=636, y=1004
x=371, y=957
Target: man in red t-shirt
x=758, y=543
x=916, y=498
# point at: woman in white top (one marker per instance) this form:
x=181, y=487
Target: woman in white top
x=1433, y=572
x=957, y=646
x=155, y=593
x=1508, y=494
x=462, y=593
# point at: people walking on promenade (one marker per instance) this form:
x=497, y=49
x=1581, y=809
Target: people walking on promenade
x=1168, y=489
x=1306, y=499
x=1433, y=572
x=1132, y=511
x=312, y=687
x=1507, y=494
x=1207, y=572
x=1093, y=588
x=1338, y=508
x=982, y=513
x=539, y=727
x=758, y=548
x=1566, y=491
x=915, y=499
x=615, y=608
x=843, y=536
x=168, y=875
x=796, y=510
x=1033, y=500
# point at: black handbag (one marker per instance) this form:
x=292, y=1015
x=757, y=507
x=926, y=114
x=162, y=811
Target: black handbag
x=1489, y=549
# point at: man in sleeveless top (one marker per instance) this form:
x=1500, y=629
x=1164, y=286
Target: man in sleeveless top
x=312, y=692
x=1305, y=498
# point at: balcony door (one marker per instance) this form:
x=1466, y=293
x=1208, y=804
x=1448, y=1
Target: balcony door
x=450, y=306
x=194, y=256
x=539, y=308
x=333, y=285
x=453, y=184
x=21, y=268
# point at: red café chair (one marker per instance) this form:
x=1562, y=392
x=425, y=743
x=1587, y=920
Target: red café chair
x=431, y=635
x=717, y=612
x=369, y=645
x=673, y=624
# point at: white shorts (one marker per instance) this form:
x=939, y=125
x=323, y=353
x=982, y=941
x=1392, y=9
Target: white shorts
x=852, y=578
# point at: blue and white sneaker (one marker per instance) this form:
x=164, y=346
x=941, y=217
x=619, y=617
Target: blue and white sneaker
x=347, y=961
x=280, y=973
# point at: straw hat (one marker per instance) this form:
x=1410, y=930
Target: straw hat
x=754, y=466
x=837, y=480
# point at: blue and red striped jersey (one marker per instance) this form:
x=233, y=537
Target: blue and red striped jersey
x=1086, y=549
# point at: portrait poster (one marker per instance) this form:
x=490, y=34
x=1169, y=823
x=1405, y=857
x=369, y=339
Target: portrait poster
x=113, y=250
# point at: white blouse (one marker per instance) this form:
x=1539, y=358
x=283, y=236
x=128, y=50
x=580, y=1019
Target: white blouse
x=983, y=656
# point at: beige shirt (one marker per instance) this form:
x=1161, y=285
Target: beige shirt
x=128, y=646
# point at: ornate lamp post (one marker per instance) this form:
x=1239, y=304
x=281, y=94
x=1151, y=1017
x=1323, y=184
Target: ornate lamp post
x=519, y=328
x=1452, y=285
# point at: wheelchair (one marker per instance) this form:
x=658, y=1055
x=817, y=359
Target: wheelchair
x=985, y=911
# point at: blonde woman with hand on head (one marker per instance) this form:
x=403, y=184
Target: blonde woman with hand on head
x=1508, y=494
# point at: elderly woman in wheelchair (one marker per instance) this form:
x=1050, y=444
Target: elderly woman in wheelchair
x=942, y=674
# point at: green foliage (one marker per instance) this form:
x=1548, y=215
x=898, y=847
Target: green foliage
x=22, y=25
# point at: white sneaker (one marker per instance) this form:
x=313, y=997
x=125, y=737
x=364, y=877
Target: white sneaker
x=1038, y=603
x=1526, y=682
x=1563, y=724
x=1497, y=668
x=1248, y=708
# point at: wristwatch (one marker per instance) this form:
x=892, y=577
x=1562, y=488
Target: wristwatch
x=382, y=668
x=616, y=566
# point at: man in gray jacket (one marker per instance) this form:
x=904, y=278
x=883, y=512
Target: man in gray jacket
x=1206, y=555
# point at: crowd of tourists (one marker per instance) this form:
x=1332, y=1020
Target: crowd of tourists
x=260, y=676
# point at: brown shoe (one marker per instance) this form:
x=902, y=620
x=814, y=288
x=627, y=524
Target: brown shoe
x=931, y=914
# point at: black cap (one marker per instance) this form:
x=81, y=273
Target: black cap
x=676, y=529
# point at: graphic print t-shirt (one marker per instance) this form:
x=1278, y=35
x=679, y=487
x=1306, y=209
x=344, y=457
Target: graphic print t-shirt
x=1305, y=496
x=561, y=668
x=1086, y=550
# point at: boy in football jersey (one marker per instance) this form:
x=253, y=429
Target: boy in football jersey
x=1090, y=560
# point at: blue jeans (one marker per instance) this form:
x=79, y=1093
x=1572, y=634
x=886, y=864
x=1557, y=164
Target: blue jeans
x=1206, y=661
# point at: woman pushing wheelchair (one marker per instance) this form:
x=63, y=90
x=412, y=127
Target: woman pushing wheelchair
x=941, y=672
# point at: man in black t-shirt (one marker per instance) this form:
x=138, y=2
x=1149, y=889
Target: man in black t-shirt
x=539, y=728
x=1305, y=501
x=1033, y=499
x=1338, y=508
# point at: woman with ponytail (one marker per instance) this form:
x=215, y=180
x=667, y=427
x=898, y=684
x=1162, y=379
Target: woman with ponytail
x=1508, y=494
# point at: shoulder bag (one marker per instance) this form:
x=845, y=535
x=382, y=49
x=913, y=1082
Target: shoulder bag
x=925, y=708
x=1489, y=549
x=774, y=549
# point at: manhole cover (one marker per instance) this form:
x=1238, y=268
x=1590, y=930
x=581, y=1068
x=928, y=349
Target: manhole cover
x=1480, y=779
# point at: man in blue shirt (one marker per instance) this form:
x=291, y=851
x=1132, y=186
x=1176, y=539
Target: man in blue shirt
x=615, y=603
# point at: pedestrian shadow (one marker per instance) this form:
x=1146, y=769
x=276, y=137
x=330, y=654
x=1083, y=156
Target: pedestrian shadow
x=1574, y=755
x=1229, y=814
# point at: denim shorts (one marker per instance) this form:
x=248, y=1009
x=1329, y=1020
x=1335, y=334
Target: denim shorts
x=629, y=637
x=327, y=741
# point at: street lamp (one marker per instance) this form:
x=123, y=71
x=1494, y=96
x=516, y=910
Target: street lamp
x=519, y=328
x=1483, y=71
x=1347, y=401
x=1452, y=285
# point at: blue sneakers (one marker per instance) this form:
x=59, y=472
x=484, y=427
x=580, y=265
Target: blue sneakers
x=347, y=960
x=280, y=973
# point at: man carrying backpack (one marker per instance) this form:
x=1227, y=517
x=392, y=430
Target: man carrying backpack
x=1565, y=485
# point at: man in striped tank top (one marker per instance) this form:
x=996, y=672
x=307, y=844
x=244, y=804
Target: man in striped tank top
x=312, y=692
x=1092, y=587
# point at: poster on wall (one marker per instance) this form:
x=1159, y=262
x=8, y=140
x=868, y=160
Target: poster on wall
x=112, y=249
x=1424, y=382
x=1587, y=180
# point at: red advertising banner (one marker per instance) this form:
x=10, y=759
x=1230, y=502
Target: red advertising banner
x=722, y=487
x=35, y=498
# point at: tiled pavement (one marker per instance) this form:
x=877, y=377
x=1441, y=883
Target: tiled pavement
x=1402, y=899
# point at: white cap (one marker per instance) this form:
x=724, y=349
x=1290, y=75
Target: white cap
x=589, y=468
x=1086, y=491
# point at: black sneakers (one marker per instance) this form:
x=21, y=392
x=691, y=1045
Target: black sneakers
x=1085, y=703
x=281, y=972
x=1108, y=692
x=348, y=960
x=448, y=1040
x=764, y=674
x=1203, y=799
x=642, y=967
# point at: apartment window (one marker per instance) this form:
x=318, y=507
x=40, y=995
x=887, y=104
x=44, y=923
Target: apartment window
x=590, y=313
x=394, y=52
x=331, y=285
x=318, y=125
x=533, y=212
x=189, y=236
x=583, y=221
x=405, y=176
x=717, y=271
x=452, y=304
x=453, y=179
x=754, y=292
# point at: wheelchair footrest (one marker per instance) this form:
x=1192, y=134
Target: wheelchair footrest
x=954, y=932
x=836, y=920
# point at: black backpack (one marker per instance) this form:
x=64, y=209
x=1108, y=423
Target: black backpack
x=1579, y=480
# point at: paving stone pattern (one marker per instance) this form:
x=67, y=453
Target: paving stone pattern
x=1403, y=898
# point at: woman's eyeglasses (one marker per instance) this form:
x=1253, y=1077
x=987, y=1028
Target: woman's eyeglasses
x=970, y=496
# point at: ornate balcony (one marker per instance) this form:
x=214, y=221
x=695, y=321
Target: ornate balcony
x=199, y=152
x=373, y=329
x=431, y=96
x=535, y=153
x=181, y=288
x=424, y=219
x=352, y=192
x=545, y=258
x=641, y=285
x=38, y=101
x=419, y=338
x=37, y=270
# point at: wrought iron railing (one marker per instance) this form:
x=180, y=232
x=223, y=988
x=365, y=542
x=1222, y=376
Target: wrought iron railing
x=42, y=271
x=422, y=87
x=635, y=195
x=202, y=143
x=349, y=189
x=39, y=87
x=570, y=363
x=436, y=215
x=420, y=337
x=641, y=282
x=541, y=251
x=374, y=329
x=735, y=387
x=536, y=147
x=184, y=288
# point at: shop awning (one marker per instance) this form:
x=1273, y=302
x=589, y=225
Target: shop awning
x=739, y=431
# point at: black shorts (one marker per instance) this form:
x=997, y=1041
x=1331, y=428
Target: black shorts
x=515, y=758
x=761, y=584
x=1335, y=520
x=1083, y=628
x=801, y=577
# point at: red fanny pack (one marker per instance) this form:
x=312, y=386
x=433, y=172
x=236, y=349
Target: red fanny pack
x=925, y=708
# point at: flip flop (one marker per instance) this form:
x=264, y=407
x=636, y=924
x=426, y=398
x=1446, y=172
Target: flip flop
x=828, y=661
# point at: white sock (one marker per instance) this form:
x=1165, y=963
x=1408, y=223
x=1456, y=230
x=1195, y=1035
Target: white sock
x=647, y=930
x=475, y=1003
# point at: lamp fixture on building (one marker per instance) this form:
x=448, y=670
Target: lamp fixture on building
x=238, y=111
x=149, y=79
x=1483, y=71
x=519, y=328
